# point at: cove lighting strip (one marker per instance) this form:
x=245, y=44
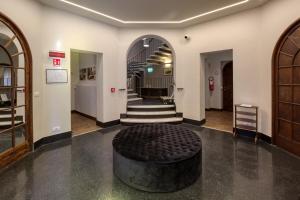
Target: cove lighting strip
x=154, y=22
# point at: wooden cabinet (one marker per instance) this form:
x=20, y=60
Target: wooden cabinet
x=246, y=118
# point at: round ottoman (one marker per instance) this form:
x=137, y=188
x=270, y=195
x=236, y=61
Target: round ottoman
x=157, y=157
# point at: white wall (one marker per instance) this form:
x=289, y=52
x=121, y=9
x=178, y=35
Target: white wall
x=214, y=63
x=252, y=35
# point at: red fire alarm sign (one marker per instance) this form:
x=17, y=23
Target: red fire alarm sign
x=113, y=90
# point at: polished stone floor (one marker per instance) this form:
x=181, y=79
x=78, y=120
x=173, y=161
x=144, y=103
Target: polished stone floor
x=81, y=169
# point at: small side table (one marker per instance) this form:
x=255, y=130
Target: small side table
x=246, y=118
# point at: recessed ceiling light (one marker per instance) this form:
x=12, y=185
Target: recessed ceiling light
x=154, y=22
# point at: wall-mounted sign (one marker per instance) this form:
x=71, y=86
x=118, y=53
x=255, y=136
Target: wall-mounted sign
x=150, y=69
x=56, y=76
x=57, y=58
x=57, y=54
x=56, y=62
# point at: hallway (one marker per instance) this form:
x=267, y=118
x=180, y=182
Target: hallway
x=219, y=120
x=81, y=124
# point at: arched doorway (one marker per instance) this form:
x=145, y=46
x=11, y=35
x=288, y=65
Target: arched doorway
x=150, y=69
x=15, y=93
x=286, y=90
x=150, y=81
x=227, y=78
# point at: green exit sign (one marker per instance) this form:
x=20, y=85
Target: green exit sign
x=150, y=69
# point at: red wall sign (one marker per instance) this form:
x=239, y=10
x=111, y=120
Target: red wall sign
x=56, y=61
x=56, y=54
x=113, y=90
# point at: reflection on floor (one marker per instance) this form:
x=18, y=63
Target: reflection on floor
x=6, y=138
x=220, y=120
x=82, y=168
x=81, y=124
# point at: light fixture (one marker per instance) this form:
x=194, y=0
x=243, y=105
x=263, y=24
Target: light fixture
x=154, y=22
x=146, y=42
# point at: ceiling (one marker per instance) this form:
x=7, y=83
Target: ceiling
x=170, y=13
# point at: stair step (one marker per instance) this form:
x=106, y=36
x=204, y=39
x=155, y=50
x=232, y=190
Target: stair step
x=132, y=94
x=8, y=123
x=135, y=99
x=162, y=54
x=151, y=106
x=156, y=57
x=149, y=121
x=165, y=50
x=151, y=113
x=159, y=62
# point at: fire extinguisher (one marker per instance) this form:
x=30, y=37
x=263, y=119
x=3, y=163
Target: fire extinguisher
x=211, y=83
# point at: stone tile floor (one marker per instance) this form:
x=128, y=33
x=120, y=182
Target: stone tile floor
x=81, y=169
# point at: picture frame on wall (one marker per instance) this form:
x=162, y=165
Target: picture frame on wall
x=91, y=73
x=83, y=74
x=54, y=76
x=168, y=71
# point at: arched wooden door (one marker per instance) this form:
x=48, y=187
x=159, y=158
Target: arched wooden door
x=15, y=93
x=286, y=90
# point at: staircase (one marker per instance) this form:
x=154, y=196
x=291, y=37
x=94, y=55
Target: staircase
x=145, y=114
x=132, y=97
x=140, y=111
x=6, y=119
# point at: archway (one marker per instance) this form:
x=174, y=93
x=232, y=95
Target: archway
x=150, y=82
x=286, y=90
x=150, y=69
x=15, y=93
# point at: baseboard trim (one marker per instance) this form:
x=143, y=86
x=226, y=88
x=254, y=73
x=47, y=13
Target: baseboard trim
x=85, y=115
x=194, y=122
x=213, y=109
x=252, y=134
x=179, y=114
x=51, y=139
x=108, y=124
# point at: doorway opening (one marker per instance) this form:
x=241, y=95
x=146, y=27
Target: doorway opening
x=218, y=67
x=150, y=82
x=85, y=67
x=16, y=136
x=150, y=70
x=286, y=90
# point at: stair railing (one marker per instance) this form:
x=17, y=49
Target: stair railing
x=145, y=53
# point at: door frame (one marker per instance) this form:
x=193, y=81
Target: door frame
x=275, y=55
x=20, y=151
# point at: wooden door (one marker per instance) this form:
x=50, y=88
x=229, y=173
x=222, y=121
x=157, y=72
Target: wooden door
x=228, y=87
x=15, y=93
x=286, y=90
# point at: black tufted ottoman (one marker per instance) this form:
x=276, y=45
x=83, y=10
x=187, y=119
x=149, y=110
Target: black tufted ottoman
x=157, y=157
